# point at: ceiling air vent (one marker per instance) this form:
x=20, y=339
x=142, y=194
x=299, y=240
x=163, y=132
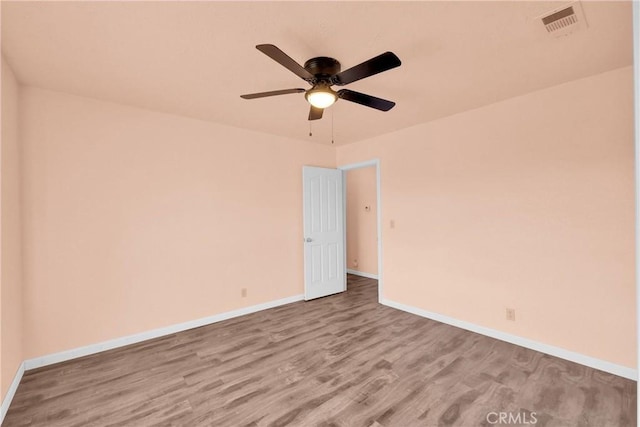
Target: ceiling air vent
x=564, y=20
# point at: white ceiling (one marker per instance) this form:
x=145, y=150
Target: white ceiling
x=196, y=58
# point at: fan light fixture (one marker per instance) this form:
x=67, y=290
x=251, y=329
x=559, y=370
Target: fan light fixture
x=322, y=72
x=321, y=96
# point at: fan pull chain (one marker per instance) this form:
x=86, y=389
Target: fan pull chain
x=310, y=133
x=332, y=126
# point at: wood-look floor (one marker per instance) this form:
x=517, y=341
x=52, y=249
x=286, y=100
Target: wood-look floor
x=343, y=360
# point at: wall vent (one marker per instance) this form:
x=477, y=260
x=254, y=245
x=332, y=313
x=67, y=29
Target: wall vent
x=564, y=20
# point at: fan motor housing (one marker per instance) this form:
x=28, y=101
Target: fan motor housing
x=322, y=67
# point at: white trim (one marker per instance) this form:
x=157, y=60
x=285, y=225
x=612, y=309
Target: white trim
x=360, y=165
x=636, y=80
x=379, y=220
x=344, y=169
x=589, y=361
x=6, y=402
x=362, y=274
x=63, y=356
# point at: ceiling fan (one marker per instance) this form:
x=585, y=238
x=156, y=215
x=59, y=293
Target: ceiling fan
x=323, y=72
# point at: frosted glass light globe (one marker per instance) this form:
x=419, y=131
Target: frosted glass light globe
x=322, y=97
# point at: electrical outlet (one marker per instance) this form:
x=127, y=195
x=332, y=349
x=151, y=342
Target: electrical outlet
x=511, y=314
x=355, y=262
x=243, y=292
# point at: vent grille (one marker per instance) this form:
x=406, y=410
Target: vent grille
x=564, y=20
x=560, y=20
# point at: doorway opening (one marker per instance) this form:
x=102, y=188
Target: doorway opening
x=362, y=219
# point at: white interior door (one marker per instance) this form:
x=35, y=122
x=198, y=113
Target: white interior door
x=324, y=270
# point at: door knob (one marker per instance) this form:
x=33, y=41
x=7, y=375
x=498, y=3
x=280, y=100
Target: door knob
x=308, y=239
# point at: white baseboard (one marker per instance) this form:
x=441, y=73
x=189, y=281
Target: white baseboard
x=63, y=356
x=362, y=274
x=6, y=402
x=589, y=361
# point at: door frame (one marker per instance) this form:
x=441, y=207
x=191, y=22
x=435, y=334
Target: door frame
x=369, y=163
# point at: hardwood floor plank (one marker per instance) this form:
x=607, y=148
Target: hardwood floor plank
x=343, y=360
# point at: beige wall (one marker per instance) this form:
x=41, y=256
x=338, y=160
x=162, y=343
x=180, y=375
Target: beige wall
x=135, y=220
x=10, y=232
x=362, y=250
x=526, y=203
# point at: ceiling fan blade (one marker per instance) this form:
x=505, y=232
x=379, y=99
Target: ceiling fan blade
x=315, y=113
x=272, y=93
x=285, y=60
x=380, y=63
x=366, y=100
